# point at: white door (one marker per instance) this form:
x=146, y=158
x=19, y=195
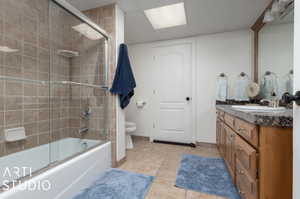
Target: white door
x=172, y=93
x=296, y=136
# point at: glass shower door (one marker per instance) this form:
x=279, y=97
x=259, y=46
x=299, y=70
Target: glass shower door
x=77, y=92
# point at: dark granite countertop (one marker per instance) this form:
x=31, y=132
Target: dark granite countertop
x=276, y=119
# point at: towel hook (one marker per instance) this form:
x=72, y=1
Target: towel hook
x=243, y=74
x=222, y=75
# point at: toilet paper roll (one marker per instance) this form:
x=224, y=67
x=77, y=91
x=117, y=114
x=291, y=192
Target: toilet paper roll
x=140, y=104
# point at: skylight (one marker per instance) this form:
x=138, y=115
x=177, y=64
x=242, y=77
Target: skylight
x=167, y=16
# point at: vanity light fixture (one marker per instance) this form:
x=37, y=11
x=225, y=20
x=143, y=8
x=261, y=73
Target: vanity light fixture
x=276, y=8
x=167, y=16
x=87, y=31
x=269, y=17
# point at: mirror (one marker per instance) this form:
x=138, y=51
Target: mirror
x=275, y=55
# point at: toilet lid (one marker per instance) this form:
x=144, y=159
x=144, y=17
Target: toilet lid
x=130, y=129
x=130, y=124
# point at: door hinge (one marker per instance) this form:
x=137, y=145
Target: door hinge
x=154, y=92
x=154, y=57
x=153, y=125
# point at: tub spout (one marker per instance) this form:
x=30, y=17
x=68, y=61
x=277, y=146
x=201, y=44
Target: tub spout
x=82, y=131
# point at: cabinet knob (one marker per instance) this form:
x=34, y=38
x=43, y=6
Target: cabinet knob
x=241, y=192
x=241, y=172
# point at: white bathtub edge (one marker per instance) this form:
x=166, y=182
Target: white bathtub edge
x=68, y=178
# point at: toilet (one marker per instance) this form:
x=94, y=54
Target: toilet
x=130, y=127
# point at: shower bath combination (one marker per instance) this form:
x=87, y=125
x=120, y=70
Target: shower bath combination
x=55, y=108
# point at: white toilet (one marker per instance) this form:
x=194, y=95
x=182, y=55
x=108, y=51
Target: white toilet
x=130, y=127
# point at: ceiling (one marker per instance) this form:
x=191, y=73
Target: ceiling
x=204, y=17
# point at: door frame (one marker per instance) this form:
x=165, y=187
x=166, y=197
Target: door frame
x=192, y=42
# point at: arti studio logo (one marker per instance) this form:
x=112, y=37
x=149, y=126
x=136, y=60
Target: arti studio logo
x=11, y=176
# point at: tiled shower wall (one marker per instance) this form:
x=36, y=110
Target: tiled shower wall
x=24, y=26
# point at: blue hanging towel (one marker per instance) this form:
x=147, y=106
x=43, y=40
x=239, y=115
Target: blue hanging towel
x=124, y=82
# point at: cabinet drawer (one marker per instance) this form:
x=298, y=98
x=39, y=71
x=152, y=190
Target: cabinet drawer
x=247, y=186
x=247, y=131
x=247, y=156
x=229, y=120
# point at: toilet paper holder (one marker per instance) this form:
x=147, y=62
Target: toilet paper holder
x=140, y=104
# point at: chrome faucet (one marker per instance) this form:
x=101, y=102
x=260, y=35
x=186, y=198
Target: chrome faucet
x=83, y=131
x=86, y=114
x=273, y=102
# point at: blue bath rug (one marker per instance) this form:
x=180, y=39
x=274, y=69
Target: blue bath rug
x=118, y=184
x=206, y=175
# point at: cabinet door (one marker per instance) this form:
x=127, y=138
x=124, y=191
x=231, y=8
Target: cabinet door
x=247, y=186
x=218, y=130
x=230, y=153
x=247, y=156
x=223, y=140
x=232, y=136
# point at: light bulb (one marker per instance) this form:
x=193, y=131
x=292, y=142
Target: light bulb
x=268, y=17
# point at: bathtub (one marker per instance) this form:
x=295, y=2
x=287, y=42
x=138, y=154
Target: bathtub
x=64, y=180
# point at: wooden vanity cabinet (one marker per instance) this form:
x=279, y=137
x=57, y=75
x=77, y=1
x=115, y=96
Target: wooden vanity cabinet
x=258, y=158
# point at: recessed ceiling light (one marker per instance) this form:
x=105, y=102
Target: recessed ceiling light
x=167, y=16
x=87, y=31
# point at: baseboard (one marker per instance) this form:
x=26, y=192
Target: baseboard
x=205, y=144
x=137, y=137
x=122, y=161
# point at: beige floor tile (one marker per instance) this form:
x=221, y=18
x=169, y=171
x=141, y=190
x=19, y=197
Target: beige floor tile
x=163, y=161
x=196, y=195
x=166, y=175
x=161, y=190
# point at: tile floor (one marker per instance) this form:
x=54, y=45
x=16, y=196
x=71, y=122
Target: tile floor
x=162, y=161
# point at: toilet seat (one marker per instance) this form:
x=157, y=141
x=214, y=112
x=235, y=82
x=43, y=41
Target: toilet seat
x=130, y=127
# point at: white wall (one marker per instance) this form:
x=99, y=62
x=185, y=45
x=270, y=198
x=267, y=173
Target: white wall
x=296, y=137
x=226, y=52
x=276, y=49
x=229, y=53
x=121, y=148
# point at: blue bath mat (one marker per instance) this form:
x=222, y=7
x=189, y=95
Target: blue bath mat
x=118, y=184
x=206, y=175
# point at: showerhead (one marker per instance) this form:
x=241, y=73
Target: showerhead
x=68, y=53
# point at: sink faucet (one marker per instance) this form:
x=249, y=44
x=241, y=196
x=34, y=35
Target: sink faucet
x=273, y=102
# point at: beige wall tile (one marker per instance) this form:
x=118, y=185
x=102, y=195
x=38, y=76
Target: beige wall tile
x=31, y=142
x=13, y=118
x=31, y=128
x=13, y=147
x=13, y=103
x=44, y=138
x=13, y=88
x=30, y=50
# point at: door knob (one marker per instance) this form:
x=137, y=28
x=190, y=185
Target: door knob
x=188, y=98
x=288, y=98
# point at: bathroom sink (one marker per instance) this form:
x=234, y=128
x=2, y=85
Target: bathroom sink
x=258, y=108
